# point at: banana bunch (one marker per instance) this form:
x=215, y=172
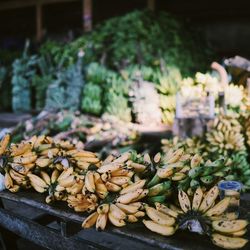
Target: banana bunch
x=225, y=135
x=117, y=214
x=240, y=169
x=192, y=145
x=201, y=214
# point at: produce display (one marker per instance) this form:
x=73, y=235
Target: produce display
x=119, y=190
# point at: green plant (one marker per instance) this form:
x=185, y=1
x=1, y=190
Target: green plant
x=23, y=71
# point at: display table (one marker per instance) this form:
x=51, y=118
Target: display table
x=58, y=227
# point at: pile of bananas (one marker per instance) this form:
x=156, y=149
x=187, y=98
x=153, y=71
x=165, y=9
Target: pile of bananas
x=201, y=214
x=186, y=171
x=225, y=136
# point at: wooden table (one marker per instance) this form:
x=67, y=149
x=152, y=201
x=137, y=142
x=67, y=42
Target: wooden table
x=26, y=215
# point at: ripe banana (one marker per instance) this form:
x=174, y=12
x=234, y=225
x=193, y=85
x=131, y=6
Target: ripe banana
x=232, y=226
x=128, y=209
x=164, y=209
x=209, y=199
x=158, y=228
x=103, y=209
x=90, y=181
x=117, y=212
x=45, y=177
x=120, y=180
x=101, y=221
x=8, y=182
x=116, y=222
x=197, y=199
x=109, y=168
x=4, y=143
x=159, y=217
x=90, y=220
x=133, y=187
x=184, y=201
x=219, y=208
x=111, y=187
x=228, y=242
x=129, y=197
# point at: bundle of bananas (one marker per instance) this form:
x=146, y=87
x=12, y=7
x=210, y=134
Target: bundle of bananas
x=225, y=136
x=203, y=215
x=186, y=171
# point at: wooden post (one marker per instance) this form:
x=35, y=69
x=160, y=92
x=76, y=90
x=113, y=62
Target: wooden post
x=39, y=22
x=151, y=5
x=87, y=15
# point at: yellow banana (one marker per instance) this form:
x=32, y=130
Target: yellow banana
x=228, y=242
x=66, y=173
x=137, y=167
x=133, y=187
x=128, y=209
x=164, y=209
x=219, y=208
x=111, y=187
x=196, y=160
x=54, y=176
x=178, y=176
x=232, y=226
x=209, y=199
x=184, y=201
x=37, y=181
x=165, y=172
x=158, y=228
x=90, y=220
x=4, y=143
x=43, y=162
x=67, y=182
x=100, y=186
x=197, y=199
x=175, y=156
x=24, y=160
x=45, y=177
x=131, y=218
x=8, y=182
x=116, y=222
x=157, y=158
x=14, y=189
x=103, y=209
x=117, y=212
x=121, y=172
x=19, y=149
x=123, y=158
x=129, y=197
x=120, y=180
x=101, y=221
x=139, y=214
x=90, y=181
x=111, y=167
x=159, y=217
x=141, y=196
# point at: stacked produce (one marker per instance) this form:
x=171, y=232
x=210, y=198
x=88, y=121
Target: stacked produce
x=225, y=137
x=202, y=214
x=116, y=191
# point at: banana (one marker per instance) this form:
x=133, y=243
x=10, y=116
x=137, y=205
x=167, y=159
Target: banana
x=159, y=188
x=225, y=216
x=100, y=186
x=39, y=189
x=19, y=149
x=117, y=212
x=164, y=209
x=178, y=176
x=141, y=196
x=24, y=160
x=67, y=182
x=45, y=177
x=4, y=143
x=54, y=176
x=101, y=221
x=82, y=153
x=129, y=197
x=120, y=180
x=174, y=156
x=128, y=209
x=137, y=167
x=219, y=208
x=88, y=160
x=14, y=189
x=116, y=222
x=209, y=199
x=37, y=181
x=159, y=217
x=131, y=218
x=238, y=233
x=90, y=181
x=165, y=172
x=111, y=187
x=103, y=209
x=228, y=242
x=122, y=172
x=133, y=187
x=66, y=173
x=224, y=226
x=76, y=188
x=123, y=158
x=196, y=160
x=43, y=162
x=111, y=167
x=19, y=178
x=158, y=228
x=184, y=201
x=197, y=199
x=8, y=182
x=157, y=158
x=90, y=220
